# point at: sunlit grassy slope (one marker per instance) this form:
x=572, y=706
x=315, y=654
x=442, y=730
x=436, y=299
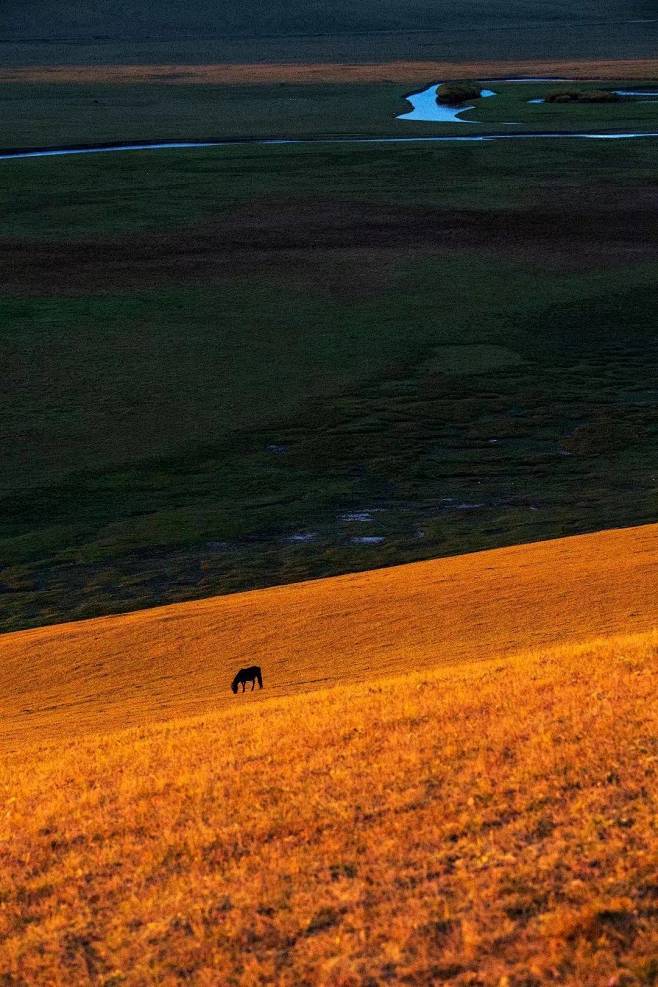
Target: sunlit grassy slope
x=135, y=669
x=491, y=823
x=450, y=777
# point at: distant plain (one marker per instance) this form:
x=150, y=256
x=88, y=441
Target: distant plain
x=226, y=381
x=44, y=32
x=217, y=378
x=83, y=107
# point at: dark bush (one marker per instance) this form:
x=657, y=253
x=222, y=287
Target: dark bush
x=583, y=96
x=601, y=96
x=454, y=93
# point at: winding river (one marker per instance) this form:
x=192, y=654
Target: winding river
x=426, y=107
x=269, y=142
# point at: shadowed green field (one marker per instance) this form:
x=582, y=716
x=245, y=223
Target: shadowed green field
x=40, y=114
x=137, y=20
x=77, y=198
x=454, y=348
x=94, y=32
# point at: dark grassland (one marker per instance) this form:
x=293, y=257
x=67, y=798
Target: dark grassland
x=137, y=20
x=216, y=379
x=35, y=115
x=174, y=31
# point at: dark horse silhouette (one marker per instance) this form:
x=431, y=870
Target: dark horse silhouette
x=251, y=674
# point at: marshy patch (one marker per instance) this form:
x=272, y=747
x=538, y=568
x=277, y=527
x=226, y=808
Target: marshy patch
x=356, y=516
x=302, y=537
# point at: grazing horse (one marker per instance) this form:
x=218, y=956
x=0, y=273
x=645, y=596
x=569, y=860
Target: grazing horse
x=251, y=674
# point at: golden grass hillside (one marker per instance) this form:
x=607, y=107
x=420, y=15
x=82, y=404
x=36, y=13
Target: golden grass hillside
x=266, y=73
x=491, y=823
x=132, y=670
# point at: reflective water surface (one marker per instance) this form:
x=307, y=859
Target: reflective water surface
x=426, y=107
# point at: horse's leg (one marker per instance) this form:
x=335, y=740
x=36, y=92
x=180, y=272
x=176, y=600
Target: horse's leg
x=244, y=686
x=253, y=684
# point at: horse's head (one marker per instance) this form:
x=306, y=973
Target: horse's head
x=234, y=686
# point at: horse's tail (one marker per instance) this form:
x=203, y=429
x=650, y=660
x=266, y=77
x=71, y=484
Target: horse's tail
x=259, y=677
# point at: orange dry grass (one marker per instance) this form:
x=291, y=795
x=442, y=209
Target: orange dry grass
x=490, y=824
x=407, y=72
x=114, y=672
